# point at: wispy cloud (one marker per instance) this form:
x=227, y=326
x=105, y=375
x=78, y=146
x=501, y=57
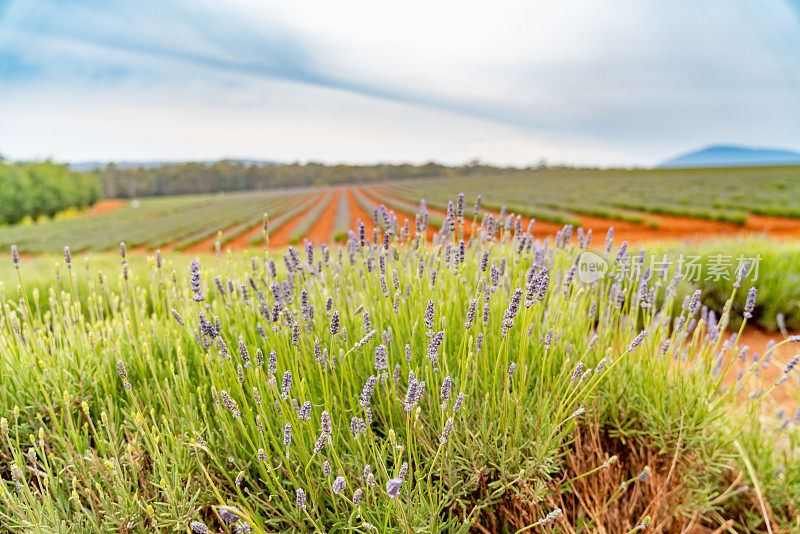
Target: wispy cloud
x=626, y=82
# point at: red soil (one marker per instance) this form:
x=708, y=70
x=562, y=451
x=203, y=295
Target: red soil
x=243, y=240
x=283, y=235
x=106, y=205
x=785, y=396
x=673, y=227
x=322, y=231
x=207, y=244
x=670, y=227
x=239, y=242
x=778, y=226
x=357, y=213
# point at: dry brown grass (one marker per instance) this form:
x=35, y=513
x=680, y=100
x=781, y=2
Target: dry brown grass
x=663, y=496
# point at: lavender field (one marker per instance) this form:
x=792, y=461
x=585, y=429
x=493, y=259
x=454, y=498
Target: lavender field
x=478, y=384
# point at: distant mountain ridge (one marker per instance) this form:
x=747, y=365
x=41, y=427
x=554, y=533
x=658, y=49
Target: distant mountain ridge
x=732, y=156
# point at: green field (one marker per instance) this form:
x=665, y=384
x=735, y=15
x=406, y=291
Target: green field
x=558, y=196
x=151, y=222
x=405, y=389
x=555, y=195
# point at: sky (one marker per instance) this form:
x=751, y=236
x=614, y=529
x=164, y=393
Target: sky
x=509, y=82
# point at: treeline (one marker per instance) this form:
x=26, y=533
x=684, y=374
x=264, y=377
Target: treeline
x=192, y=178
x=42, y=189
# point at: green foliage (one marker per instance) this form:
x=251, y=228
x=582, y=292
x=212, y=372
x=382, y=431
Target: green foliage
x=726, y=195
x=140, y=403
x=152, y=222
x=42, y=190
x=197, y=178
x=775, y=274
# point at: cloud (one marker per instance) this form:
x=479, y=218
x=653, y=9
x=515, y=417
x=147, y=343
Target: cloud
x=621, y=82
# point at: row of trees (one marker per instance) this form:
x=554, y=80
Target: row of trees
x=42, y=189
x=188, y=178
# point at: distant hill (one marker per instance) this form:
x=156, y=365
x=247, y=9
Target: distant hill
x=83, y=166
x=732, y=156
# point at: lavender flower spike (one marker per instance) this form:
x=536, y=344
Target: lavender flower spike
x=301, y=498
x=393, y=487
x=123, y=373
x=339, y=485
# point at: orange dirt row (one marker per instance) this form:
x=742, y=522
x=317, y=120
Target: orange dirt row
x=106, y=205
x=357, y=213
x=283, y=235
x=670, y=227
x=757, y=341
x=322, y=231
x=207, y=244
x=243, y=240
x=239, y=242
x=673, y=227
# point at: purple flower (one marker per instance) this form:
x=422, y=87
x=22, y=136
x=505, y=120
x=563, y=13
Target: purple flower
x=230, y=404
x=448, y=428
x=470, y=314
x=334, y=323
x=339, y=485
x=123, y=373
x=576, y=374
x=15, y=256
x=444, y=394
x=323, y=438
x=287, y=435
x=458, y=403
x=194, y=267
x=198, y=527
x=403, y=471
x=366, y=322
x=366, y=393
x=286, y=385
x=637, y=340
x=393, y=487
x=305, y=411
x=429, y=315
x=411, y=394
x=548, y=339
x=272, y=363
x=325, y=422
x=243, y=353
x=750, y=304
x=380, y=358
x=745, y=266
